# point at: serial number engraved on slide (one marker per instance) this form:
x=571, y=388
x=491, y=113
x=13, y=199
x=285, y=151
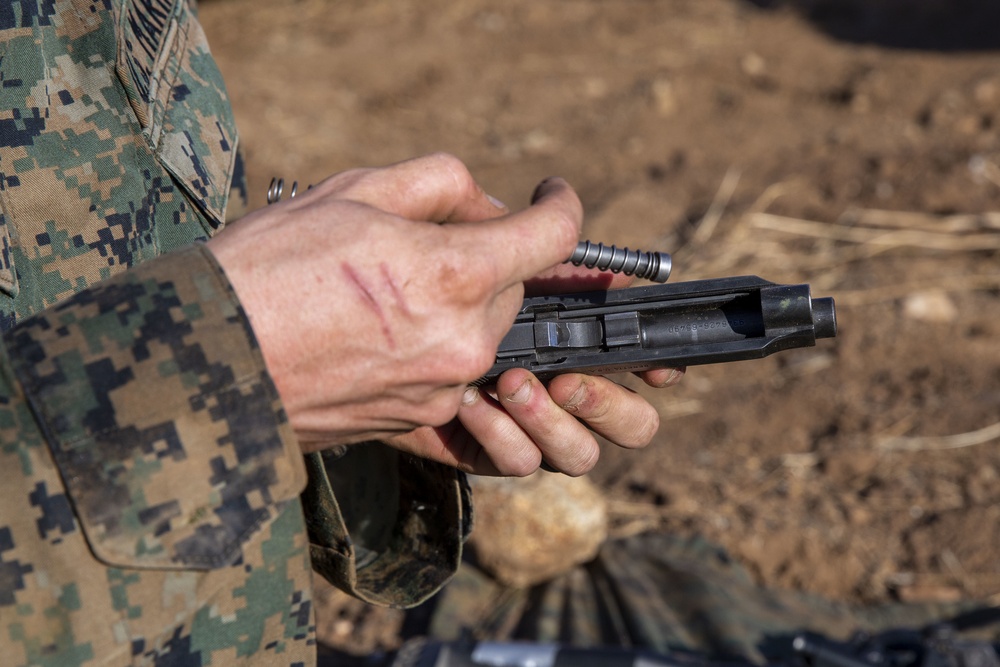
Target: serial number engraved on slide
x=681, y=328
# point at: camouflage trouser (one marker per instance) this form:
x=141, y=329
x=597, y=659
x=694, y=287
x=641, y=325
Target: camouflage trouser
x=657, y=592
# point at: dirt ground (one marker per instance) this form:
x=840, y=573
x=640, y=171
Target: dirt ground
x=851, y=145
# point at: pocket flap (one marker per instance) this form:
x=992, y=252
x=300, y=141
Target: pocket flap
x=179, y=98
x=160, y=414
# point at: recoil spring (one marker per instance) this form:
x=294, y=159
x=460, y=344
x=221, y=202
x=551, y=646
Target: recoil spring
x=654, y=266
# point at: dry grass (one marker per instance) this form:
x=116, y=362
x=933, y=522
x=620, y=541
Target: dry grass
x=957, y=441
x=755, y=240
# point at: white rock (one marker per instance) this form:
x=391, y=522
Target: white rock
x=532, y=529
x=933, y=306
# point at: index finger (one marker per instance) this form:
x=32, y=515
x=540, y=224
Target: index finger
x=431, y=188
x=531, y=241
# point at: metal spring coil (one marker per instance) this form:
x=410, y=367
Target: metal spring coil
x=277, y=187
x=653, y=266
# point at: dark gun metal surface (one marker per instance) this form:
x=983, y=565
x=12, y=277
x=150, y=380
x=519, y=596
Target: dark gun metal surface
x=661, y=326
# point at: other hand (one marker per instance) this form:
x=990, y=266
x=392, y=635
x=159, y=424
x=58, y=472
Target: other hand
x=512, y=428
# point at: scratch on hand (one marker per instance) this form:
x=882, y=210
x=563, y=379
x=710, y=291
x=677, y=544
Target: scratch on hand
x=368, y=297
x=394, y=288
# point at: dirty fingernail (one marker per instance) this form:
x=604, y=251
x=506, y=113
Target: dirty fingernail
x=574, y=401
x=541, y=189
x=672, y=378
x=675, y=375
x=521, y=394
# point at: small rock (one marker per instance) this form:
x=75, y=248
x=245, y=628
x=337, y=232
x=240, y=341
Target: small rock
x=753, y=65
x=532, y=529
x=539, y=142
x=664, y=97
x=933, y=306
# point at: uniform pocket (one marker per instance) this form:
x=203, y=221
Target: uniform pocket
x=154, y=399
x=179, y=99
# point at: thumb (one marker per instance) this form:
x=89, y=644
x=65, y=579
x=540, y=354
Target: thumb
x=526, y=243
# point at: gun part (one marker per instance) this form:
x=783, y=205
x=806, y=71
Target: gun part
x=662, y=326
x=654, y=266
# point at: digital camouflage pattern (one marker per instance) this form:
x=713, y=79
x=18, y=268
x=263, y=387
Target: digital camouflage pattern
x=117, y=142
x=178, y=536
x=121, y=453
x=150, y=513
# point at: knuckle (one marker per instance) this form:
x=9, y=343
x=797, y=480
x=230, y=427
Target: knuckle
x=346, y=181
x=455, y=168
x=483, y=363
x=459, y=279
x=472, y=358
x=446, y=160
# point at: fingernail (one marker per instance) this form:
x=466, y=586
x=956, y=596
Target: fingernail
x=574, y=401
x=470, y=396
x=521, y=394
x=675, y=375
x=541, y=189
x=496, y=202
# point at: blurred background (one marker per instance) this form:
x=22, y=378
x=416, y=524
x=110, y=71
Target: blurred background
x=854, y=145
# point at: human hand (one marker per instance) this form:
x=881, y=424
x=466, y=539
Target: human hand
x=371, y=317
x=512, y=428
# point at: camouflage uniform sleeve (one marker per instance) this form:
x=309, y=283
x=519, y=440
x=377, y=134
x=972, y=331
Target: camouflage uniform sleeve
x=150, y=510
